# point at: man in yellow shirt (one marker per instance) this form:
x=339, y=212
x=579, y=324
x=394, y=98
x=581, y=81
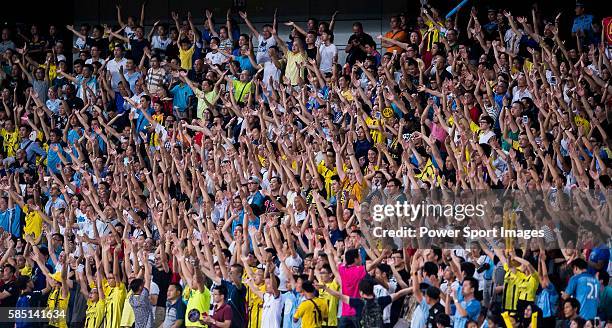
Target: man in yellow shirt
x=59, y=295
x=296, y=58
x=242, y=87
x=199, y=298
x=33, y=218
x=313, y=310
x=10, y=139
x=115, y=293
x=332, y=301
x=96, y=305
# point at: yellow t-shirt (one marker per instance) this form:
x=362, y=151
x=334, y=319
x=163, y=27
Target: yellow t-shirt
x=255, y=306
x=199, y=300
x=311, y=318
x=95, y=314
x=352, y=191
x=292, y=72
x=241, y=90
x=33, y=222
x=52, y=71
x=10, y=142
x=185, y=57
x=57, y=302
x=332, y=303
x=115, y=297
x=202, y=106
x=347, y=95
x=377, y=136
x=584, y=124
x=127, y=314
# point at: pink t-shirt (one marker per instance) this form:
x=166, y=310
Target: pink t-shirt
x=351, y=276
x=438, y=132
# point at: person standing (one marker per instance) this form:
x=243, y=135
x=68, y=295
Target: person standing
x=222, y=312
x=328, y=52
x=396, y=33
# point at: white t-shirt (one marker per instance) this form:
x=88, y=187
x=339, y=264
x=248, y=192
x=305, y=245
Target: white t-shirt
x=91, y=61
x=53, y=105
x=272, y=311
x=262, y=48
x=270, y=71
x=113, y=67
x=327, y=54
x=518, y=94
x=216, y=58
x=158, y=43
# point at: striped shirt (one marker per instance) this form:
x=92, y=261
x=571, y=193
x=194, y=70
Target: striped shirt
x=155, y=79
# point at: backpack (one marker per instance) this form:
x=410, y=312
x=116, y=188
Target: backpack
x=371, y=314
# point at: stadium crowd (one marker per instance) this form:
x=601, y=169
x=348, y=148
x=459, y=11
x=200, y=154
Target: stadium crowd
x=219, y=177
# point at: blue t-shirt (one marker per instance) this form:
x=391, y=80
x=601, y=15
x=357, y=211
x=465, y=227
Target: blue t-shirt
x=472, y=307
x=245, y=63
x=10, y=220
x=53, y=158
x=583, y=23
x=547, y=300
x=600, y=253
x=585, y=288
x=291, y=301
x=181, y=93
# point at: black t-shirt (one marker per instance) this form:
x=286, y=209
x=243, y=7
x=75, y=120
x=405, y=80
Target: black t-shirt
x=75, y=103
x=359, y=303
x=356, y=53
x=14, y=294
x=162, y=279
x=138, y=49
x=196, y=76
x=172, y=51
x=433, y=313
x=312, y=53
x=100, y=43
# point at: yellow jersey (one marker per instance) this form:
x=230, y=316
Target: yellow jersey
x=10, y=142
x=185, y=57
x=255, y=306
x=327, y=175
x=313, y=312
x=57, y=302
x=127, y=313
x=94, y=314
x=332, y=303
x=115, y=296
x=33, y=222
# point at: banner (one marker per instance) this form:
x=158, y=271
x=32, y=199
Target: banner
x=607, y=29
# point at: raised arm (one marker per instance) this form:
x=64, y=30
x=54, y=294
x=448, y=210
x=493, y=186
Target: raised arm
x=243, y=15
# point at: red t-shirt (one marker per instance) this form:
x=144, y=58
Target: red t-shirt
x=221, y=314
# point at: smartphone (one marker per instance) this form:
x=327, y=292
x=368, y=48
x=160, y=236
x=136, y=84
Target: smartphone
x=525, y=119
x=596, y=322
x=538, y=141
x=377, y=115
x=406, y=136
